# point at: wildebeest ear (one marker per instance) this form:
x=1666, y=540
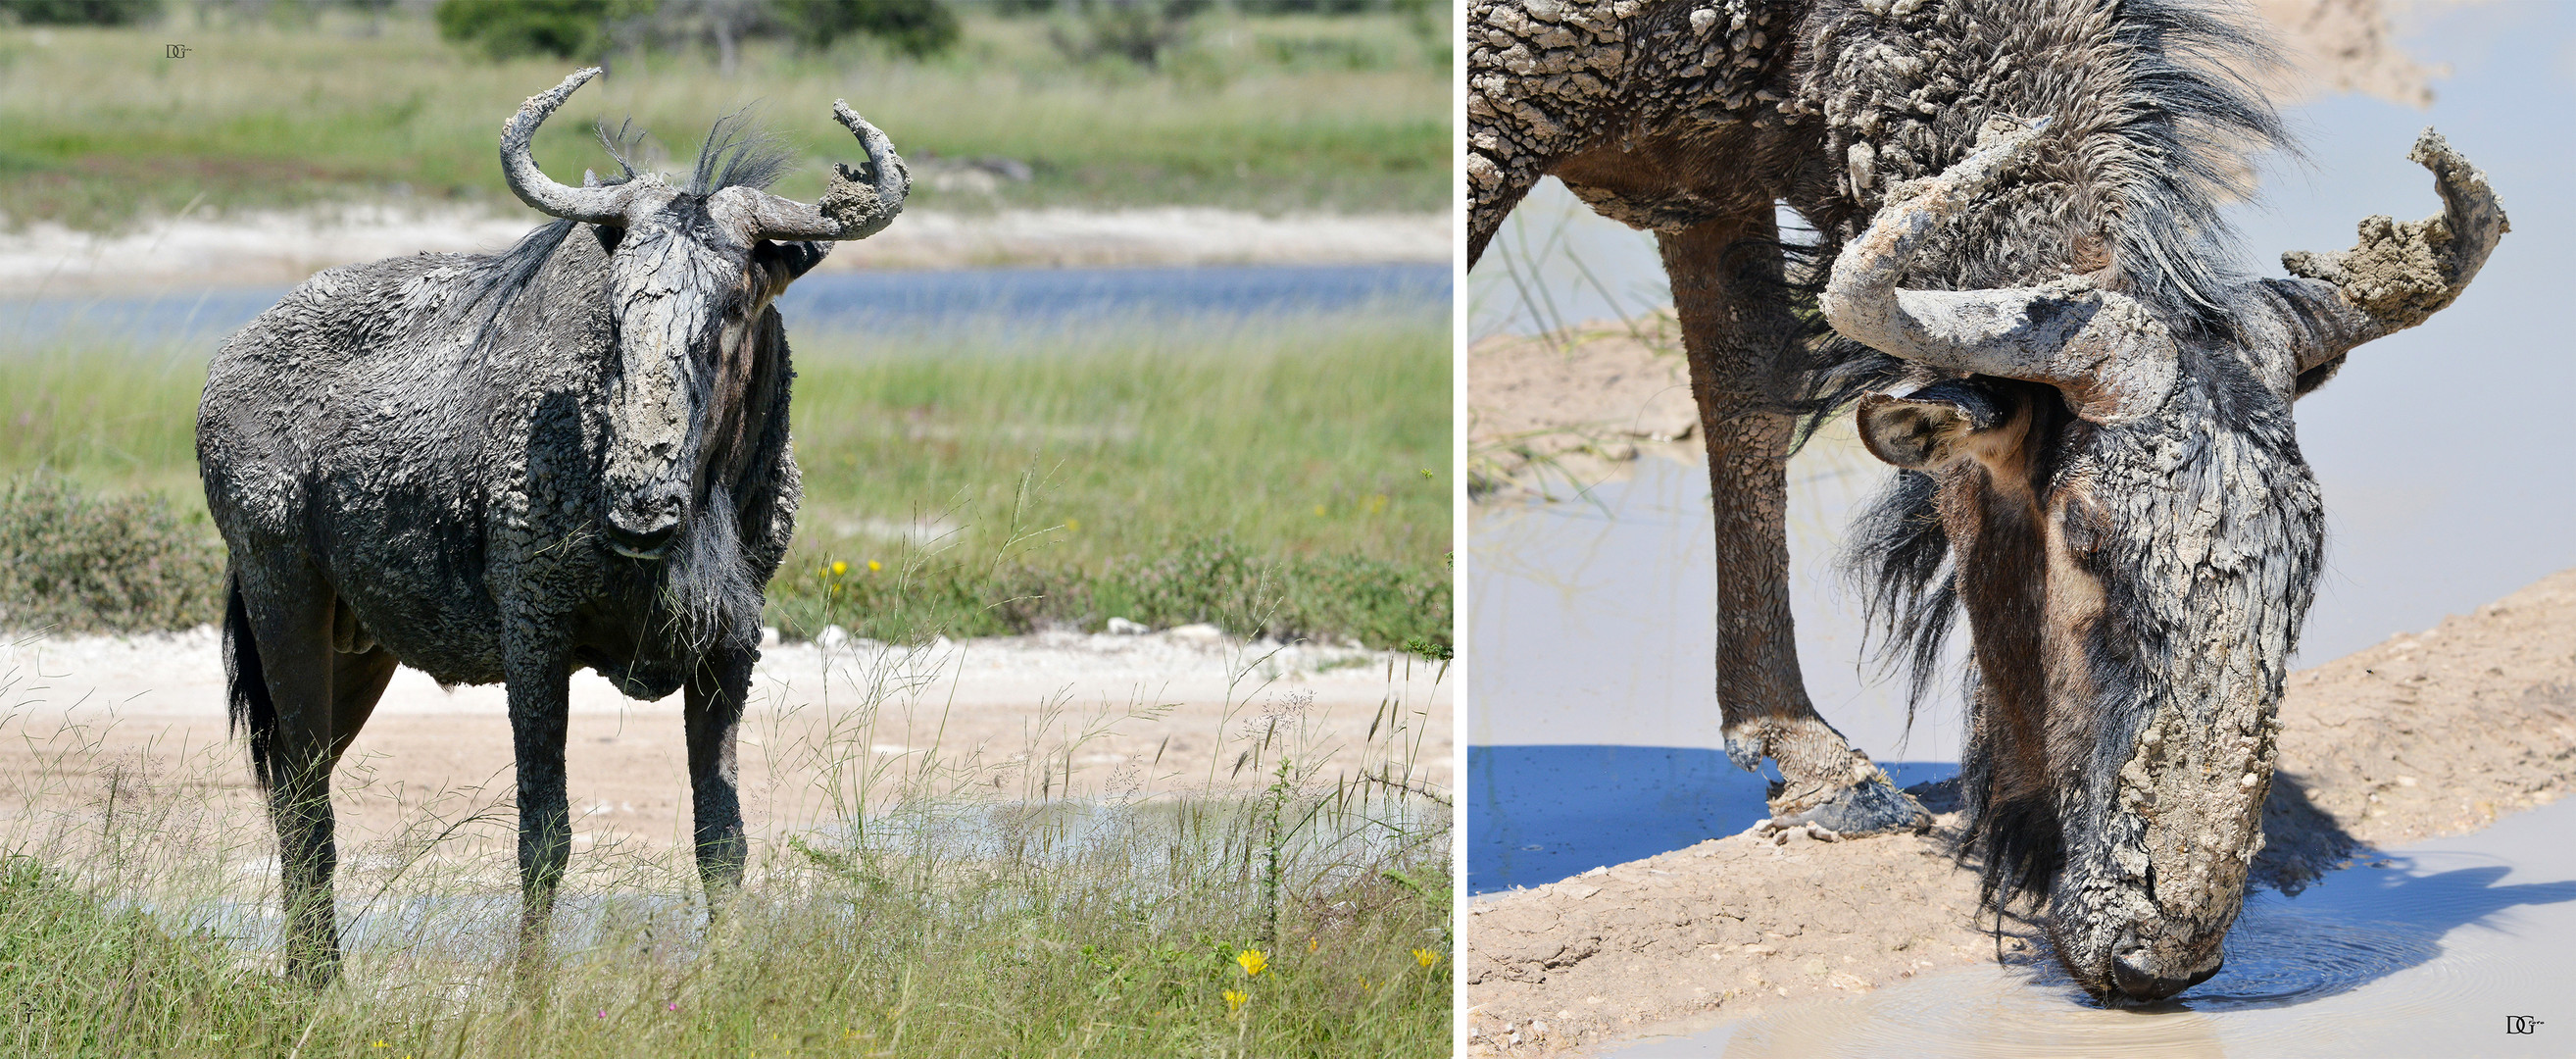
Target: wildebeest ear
x=788, y=260
x=1929, y=427
x=608, y=237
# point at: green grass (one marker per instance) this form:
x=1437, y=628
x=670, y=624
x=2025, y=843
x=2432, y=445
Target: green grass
x=98, y=129
x=1274, y=469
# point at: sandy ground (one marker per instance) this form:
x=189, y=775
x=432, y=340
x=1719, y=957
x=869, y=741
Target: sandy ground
x=285, y=247
x=2340, y=46
x=2429, y=734
x=1550, y=415
x=1038, y=716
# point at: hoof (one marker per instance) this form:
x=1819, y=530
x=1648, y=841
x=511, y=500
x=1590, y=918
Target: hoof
x=1745, y=750
x=1871, y=807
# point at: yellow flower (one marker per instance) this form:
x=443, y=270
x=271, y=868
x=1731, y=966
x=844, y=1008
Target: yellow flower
x=1073, y=525
x=874, y=566
x=1252, y=960
x=1425, y=957
x=1235, y=998
x=839, y=568
x=1319, y=511
x=1311, y=943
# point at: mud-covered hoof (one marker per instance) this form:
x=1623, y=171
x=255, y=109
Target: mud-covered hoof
x=1745, y=750
x=1871, y=807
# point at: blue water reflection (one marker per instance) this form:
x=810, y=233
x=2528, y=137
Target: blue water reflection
x=870, y=302
x=1537, y=814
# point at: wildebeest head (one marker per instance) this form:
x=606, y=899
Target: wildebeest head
x=692, y=270
x=2135, y=539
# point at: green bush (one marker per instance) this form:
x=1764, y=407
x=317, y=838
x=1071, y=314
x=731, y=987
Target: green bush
x=83, y=12
x=74, y=562
x=917, y=28
x=566, y=29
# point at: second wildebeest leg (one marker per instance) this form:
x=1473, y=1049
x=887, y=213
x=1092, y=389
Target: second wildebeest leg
x=1742, y=343
x=320, y=698
x=540, y=696
x=713, y=704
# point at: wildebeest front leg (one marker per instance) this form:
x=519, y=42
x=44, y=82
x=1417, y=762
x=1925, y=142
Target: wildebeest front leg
x=713, y=707
x=1738, y=333
x=540, y=692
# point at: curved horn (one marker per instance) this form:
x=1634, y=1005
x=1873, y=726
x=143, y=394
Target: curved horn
x=594, y=205
x=856, y=205
x=2060, y=333
x=2398, y=274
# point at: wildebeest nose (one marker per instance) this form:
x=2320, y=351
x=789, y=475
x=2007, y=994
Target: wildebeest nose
x=641, y=524
x=2139, y=984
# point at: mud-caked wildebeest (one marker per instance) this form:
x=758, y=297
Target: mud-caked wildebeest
x=2021, y=273
x=504, y=468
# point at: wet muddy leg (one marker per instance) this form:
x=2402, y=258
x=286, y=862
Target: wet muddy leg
x=713, y=712
x=1741, y=343
x=540, y=696
x=288, y=612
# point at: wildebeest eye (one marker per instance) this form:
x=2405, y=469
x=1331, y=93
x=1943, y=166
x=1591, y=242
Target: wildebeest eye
x=2082, y=524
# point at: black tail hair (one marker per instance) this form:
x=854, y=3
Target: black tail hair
x=246, y=685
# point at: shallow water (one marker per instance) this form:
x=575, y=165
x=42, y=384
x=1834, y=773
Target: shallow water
x=1594, y=734
x=2427, y=953
x=853, y=302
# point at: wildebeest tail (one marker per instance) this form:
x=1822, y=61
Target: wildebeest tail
x=246, y=684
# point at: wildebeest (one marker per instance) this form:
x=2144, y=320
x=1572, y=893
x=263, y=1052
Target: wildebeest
x=2021, y=274
x=504, y=468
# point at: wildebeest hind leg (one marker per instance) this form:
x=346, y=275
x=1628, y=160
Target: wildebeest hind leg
x=288, y=611
x=1741, y=340
x=357, y=682
x=714, y=701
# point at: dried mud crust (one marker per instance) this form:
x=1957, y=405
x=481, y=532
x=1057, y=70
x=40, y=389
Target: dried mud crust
x=2429, y=734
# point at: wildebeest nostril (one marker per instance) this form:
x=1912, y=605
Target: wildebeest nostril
x=640, y=526
x=2137, y=984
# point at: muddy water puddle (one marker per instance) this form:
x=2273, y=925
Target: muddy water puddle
x=2432, y=950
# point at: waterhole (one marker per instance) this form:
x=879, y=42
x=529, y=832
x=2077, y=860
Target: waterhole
x=2441, y=948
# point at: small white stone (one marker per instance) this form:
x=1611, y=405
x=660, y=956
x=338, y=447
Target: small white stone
x=1123, y=627
x=1199, y=632
x=1702, y=19
x=832, y=636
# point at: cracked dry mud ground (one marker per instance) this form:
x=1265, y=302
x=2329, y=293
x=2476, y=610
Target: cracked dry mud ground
x=2428, y=734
